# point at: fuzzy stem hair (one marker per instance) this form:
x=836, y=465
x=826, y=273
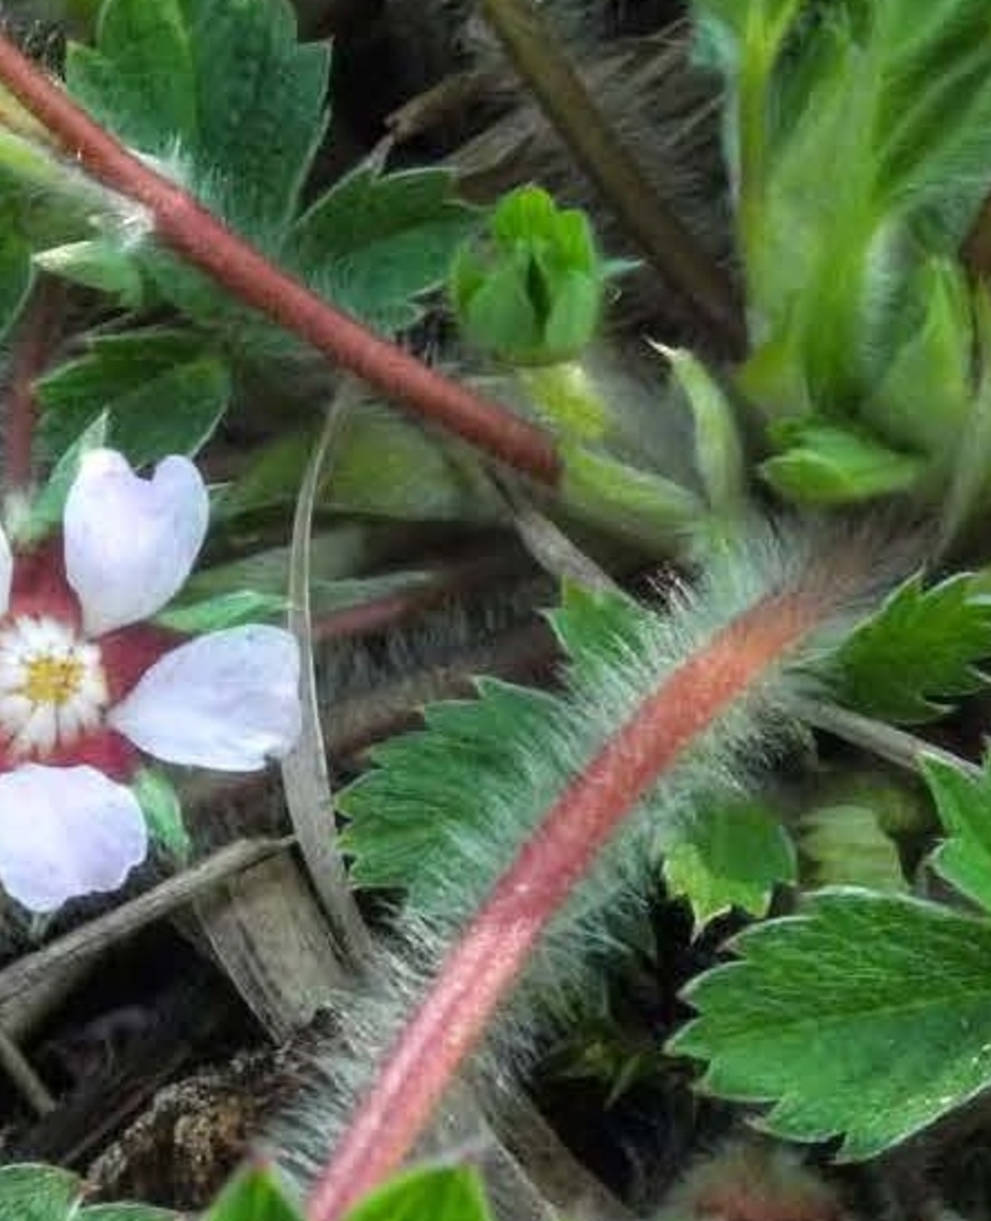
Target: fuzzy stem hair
x=197, y=236
x=489, y=956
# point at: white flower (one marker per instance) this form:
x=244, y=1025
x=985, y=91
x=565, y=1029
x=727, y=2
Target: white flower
x=85, y=683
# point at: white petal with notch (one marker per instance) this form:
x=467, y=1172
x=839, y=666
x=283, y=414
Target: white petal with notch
x=130, y=542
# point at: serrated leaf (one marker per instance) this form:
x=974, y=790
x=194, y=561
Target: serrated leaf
x=375, y=242
x=919, y=648
x=162, y=809
x=867, y=1015
x=731, y=853
x=38, y=1193
x=432, y=1193
x=220, y=87
x=963, y=803
x=139, y=79
x=261, y=108
x=163, y=394
x=254, y=1194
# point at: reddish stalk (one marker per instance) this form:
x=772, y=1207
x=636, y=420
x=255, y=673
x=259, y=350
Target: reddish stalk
x=36, y=336
x=488, y=957
x=192, y=232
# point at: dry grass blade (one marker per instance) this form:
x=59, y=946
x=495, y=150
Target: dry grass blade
x=271, y=937
x=304, y=771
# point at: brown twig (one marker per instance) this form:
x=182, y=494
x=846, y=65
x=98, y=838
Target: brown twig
x=15, y=1064
x=36, y=336
x=197, y=236
x=488, y=957
x=670, y=247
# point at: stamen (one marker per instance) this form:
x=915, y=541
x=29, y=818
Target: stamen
x=52, y=680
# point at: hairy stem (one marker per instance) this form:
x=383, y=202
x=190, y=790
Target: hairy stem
x=33, y=344
x=665, y=241
x=485, y=962
x=197, y=236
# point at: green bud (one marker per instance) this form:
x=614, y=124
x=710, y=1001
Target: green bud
x=530, y=291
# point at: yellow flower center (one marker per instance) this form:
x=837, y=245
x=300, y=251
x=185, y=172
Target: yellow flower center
x=52, y=680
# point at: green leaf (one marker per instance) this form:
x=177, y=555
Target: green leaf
x=732, y=853
x=96, y=264
x=162, y=809
x=139, y=79
x=162, y=392
x=46, y=511
x=643, y=505
x=867, y=1015
x=16, y=276
x=261, y=109
x=919, y=648
x=375, y=242
x=718, y=452
x=37, y=1193
x=254, y=1194
x=441, y=1193
x=845, y=844
x=220, y=88
x=826, y=465
x=225, y=610
x=963, y=803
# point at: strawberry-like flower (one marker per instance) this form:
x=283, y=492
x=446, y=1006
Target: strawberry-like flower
x=86, y=683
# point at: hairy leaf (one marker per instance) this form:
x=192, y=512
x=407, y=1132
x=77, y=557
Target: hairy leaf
x=221, y=89
x=732, y=853
x=48, y=1193
x=162, y=391
x=964, y=806
x=918, y=650
x=867, y=1015
x=374, y=242
x=37, y=1193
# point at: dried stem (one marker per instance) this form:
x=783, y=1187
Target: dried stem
x=903, y=749
x=19, y=1069
x=671, y=248
x=489, y=956
x=36, y=335
x=200, y=238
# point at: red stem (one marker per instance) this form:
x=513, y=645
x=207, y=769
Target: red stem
x=36, y=336
x=197, y=236
x=486, y=960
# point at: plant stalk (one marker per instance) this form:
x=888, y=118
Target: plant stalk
x=197, y=236
x=485, y=962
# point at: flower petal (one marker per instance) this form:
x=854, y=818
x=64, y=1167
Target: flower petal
x=130, y=542
x=66, y=831
x=228, y=700
x=6, y=572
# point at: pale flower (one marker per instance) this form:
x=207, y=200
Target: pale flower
x=85, y=683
